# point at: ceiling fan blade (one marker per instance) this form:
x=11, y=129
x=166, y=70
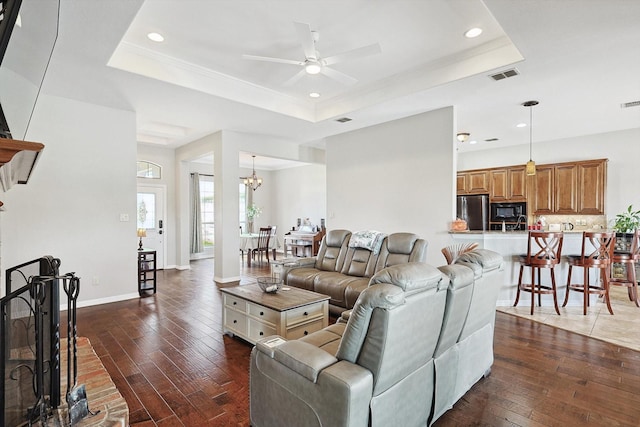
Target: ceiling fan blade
x=338, y=76
x=306, y=39
x=360, y=52
x=295, y=78
x=270, y=59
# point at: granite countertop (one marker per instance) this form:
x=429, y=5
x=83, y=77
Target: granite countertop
x=524, y=232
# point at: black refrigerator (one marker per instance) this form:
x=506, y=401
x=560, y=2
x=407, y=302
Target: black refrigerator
x=475, y=210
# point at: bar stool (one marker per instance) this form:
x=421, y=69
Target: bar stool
x=602, y=244
x=629, y=260
x=543, y=251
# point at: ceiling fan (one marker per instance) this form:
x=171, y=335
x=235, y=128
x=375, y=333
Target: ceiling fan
x=313, y=63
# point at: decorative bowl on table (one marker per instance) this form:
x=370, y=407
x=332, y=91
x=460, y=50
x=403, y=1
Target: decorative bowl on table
x=269, y=285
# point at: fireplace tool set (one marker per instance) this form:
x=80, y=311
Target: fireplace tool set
x=77, y=404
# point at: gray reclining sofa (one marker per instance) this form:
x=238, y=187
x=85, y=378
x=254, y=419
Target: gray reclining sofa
x=417, y=339
x=343, y=267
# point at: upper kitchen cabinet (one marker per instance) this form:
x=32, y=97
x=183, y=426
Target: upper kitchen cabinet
x=473, y=182
x=593, y=177
x=508, y=184
x=571, y=188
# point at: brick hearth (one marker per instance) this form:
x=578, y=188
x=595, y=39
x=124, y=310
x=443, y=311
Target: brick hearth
x=102, y=393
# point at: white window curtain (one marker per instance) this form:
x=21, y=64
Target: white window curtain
x=196, y=215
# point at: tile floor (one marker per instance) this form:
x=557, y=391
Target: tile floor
x=623, y=328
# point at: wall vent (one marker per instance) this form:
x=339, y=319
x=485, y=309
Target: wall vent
x=491, y=140
x=504, y=74
x=343, y=119
x=630, y=104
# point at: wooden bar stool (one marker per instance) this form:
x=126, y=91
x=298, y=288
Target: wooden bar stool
x=601, y=244
x=543, y=251
x=629, y=260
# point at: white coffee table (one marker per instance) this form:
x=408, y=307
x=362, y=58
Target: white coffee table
x=291, y=312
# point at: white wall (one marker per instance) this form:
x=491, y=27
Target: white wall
x=396, y=176
x=301, y=192
x=622, y=148
x=71, y=206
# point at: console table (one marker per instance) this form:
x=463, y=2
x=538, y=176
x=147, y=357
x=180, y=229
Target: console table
x=146, y=271
x=291, y=312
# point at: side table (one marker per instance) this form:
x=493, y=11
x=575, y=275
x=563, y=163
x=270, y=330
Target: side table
x=146, y=271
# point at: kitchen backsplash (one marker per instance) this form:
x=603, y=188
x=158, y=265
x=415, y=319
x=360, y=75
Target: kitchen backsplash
x=580, y=222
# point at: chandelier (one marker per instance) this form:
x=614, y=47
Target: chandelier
x=253, y=181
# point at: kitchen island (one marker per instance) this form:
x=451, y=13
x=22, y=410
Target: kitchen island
x=510, y=245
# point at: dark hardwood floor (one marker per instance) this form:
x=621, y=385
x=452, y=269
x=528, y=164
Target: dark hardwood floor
x=169, y=359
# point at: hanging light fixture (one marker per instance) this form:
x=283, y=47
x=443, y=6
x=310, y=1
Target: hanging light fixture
x=531, y=165
x=253, y=181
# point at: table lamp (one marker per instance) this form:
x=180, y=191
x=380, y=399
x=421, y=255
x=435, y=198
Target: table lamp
x=142, y=232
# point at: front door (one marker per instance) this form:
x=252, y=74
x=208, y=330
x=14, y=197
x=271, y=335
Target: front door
x=150, y=215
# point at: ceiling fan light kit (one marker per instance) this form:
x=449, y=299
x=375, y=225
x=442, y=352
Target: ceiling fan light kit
x=313, y=63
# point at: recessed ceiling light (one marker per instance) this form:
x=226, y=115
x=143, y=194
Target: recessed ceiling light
x=473, y=32
x=314, y=95
x=473, y=141
x=521, y=125
x=156, y=37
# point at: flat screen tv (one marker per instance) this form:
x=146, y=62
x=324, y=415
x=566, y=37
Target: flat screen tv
x=27, y=35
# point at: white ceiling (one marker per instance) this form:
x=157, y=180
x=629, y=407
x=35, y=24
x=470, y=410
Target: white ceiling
x=579, y=58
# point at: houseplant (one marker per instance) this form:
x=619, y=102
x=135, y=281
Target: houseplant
x=627, y=221
x=253, y=212
x=624, y=223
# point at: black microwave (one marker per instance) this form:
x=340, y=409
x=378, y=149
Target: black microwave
x=508, y=212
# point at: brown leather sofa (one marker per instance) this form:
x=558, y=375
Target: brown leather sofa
x=342, y=268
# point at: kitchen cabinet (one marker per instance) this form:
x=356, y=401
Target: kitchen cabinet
x=508, y=184
x=473, y=182
x=571, y=188
x=592, y=176
x=543, y=194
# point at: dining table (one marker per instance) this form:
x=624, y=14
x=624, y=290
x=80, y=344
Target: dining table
x=249, y=241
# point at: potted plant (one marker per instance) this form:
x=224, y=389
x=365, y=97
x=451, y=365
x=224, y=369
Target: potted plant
x=626, y=222
x=253, y=212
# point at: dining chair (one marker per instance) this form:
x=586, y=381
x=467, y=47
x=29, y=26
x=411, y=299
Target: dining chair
x=242, y=250
x=597, y=252
x=628, y=259
x=263, y=244
x=543, y=251
x=273, y=239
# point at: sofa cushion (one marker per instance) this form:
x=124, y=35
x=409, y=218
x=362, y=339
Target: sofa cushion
x=381, y=295
x=359, y=262
x=399, y=248
x=333, y=248
x=334, y=284
x=302, y=278
x=409, y=276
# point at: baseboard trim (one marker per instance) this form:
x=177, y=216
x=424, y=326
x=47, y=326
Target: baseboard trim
x=99, y=301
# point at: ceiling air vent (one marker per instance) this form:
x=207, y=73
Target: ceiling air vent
x=504, y=74
x=630, y=104
x=491, y=140
x=343, y=119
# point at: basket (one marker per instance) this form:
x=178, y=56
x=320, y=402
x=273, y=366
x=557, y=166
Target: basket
x=269, y=285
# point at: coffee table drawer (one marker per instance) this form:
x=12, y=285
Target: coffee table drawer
x=305, y=314
x=235, y=321
x=235, y=302
x=263, y=313
x=258, y=330
x=302, y=330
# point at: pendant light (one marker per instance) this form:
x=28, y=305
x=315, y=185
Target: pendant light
x=531, y=165
x=253, y=181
